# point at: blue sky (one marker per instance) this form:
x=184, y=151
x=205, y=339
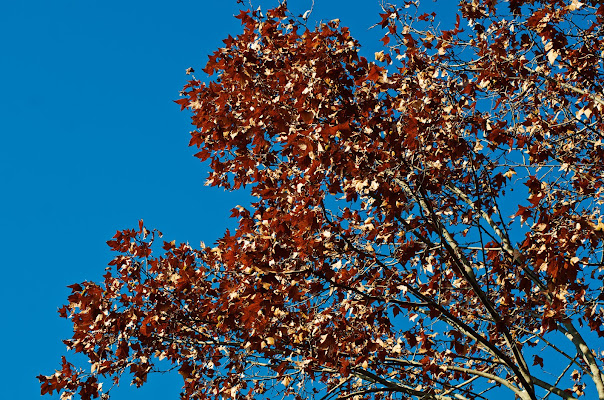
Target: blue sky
x=92, y=142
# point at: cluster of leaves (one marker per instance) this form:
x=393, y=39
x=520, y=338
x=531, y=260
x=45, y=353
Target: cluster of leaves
x=378, y=260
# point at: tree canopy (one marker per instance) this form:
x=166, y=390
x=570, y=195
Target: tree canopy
x=425, y=225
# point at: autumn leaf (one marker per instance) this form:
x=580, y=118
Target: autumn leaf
x=538, y=361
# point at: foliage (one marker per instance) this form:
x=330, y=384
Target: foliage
x=378, y=260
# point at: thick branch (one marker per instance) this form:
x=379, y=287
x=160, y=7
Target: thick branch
x=565, y=395
x=517, y=391
x=505, y=241
x=522, y=371
x=596, y=374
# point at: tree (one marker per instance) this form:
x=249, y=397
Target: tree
x=379, y=259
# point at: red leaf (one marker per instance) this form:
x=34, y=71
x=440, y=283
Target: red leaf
x=538, y=361
x=385, y=19
x=374, y=73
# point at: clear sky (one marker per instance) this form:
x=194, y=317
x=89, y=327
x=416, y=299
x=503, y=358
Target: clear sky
x=92, y=142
